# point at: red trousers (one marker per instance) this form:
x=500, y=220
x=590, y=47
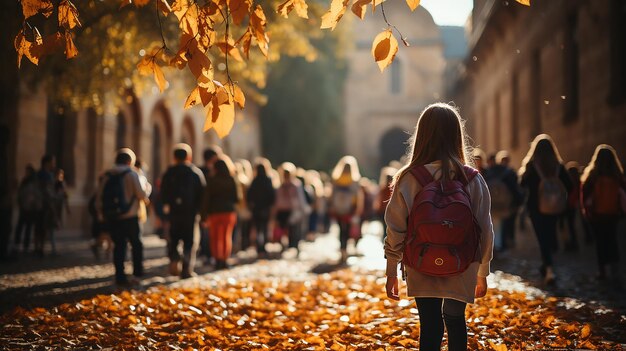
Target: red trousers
x=221, y=226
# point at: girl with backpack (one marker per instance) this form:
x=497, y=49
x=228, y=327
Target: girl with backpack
x=546, y=181
x=603, y=197
x=438, y=158
x=347, y=201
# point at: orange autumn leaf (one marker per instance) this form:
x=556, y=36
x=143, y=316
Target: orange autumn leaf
x=164, y=6
x=524, y=2
x=384, y=49
x=220, y=117
x=192, y=99
x=334, y=14
x=68, y=15
x=148, y=66
x=159, y=78
x=21, y=46
x=239, y=9
x=239, y=97
x=70, y=48
x=244, y=43
x=413, y=4
x=33, y=7
x=141, y=3
x=236, y=94
x=299, y=5
x=257, y=26
x=230, y=49
x=585, y=331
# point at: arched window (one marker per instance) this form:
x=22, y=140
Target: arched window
x=120, y=132
x=396, y=76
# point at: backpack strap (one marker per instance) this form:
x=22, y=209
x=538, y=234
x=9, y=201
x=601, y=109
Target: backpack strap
x=470, y=173
x=422, y=175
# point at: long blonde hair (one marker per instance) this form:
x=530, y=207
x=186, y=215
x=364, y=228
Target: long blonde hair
x=439, y=136
x=544, y=154
x=347, y=162
x=604, y=162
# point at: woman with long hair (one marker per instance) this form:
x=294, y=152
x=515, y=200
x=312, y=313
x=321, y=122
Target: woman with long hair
x=541, y=167
x=603, y=191
x=346, y=200
x=220, y=199
x=439, y=146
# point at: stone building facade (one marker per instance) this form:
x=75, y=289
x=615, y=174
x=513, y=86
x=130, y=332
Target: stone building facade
x=381, y=109
x=556, y=67
x=85, y=142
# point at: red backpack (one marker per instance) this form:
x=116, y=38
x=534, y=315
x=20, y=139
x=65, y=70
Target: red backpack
x=443, y=237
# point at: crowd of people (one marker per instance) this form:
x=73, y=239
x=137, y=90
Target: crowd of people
x=226, y=206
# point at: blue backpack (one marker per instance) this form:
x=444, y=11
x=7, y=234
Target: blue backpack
x=114, y=202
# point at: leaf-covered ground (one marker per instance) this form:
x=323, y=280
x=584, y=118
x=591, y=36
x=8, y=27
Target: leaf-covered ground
x=343, y=310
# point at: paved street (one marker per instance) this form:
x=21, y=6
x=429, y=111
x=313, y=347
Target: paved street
x=74, y=273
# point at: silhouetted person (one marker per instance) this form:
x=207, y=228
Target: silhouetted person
x=182, y=190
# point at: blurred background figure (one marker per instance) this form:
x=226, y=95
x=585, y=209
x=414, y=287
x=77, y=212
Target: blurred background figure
x=219, y=210
x=384, y=194
x=291, y=207
x=261, y=197
x=242, y=240
x=29, y=200
x=546, y=181
x=506, y=197
x=346, y=201
x=604, y=201
x=182, y=192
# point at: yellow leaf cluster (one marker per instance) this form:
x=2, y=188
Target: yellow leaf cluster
x=344, y=310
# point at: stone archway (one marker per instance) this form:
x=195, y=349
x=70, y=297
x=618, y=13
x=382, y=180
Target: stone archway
x=187, y=133
x=161, y=140
x=392, y=145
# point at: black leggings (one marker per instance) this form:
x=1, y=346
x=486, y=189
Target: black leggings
x=434, y=312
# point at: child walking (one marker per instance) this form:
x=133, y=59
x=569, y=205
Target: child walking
x=439, y=146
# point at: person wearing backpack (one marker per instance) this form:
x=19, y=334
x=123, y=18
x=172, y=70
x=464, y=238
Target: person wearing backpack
x=182, y=189
x=439, y=228
x=546, y=181
x=603, y=201
x=347, y=201
x=506, y=196
x=117, y=202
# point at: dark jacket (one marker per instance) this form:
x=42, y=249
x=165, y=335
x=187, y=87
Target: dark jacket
x=530, y=181
x=261, y=197
x=509, y=178
x=221, y=195
x=182, y=190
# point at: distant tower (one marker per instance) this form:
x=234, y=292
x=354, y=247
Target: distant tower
x=382, y=107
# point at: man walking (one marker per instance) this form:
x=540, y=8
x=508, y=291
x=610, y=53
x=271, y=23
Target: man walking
x=118, y=203
x=182, y=189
